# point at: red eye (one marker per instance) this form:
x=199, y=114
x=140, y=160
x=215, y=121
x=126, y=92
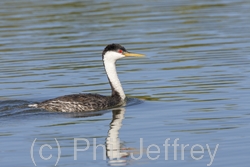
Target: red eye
x=120, y=51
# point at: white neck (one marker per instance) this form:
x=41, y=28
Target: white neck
x=113, y=78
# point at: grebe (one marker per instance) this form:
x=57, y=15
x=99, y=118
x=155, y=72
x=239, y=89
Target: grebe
x=92, y=102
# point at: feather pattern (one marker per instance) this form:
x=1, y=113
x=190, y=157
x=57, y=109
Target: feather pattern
x=80, y=102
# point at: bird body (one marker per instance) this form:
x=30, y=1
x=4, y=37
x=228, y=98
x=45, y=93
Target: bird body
x=93, y=102
x=79, y=102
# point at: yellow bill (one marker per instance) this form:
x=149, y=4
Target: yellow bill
x=132, y=54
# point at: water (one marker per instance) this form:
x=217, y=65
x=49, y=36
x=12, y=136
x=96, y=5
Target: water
x=191, y=88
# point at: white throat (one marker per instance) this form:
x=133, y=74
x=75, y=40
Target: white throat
x=109, y=63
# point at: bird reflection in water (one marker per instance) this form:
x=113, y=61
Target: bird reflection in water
x=113, y=145
x=116, y=154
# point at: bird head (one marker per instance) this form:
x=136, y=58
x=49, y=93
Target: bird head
x=114, y=52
